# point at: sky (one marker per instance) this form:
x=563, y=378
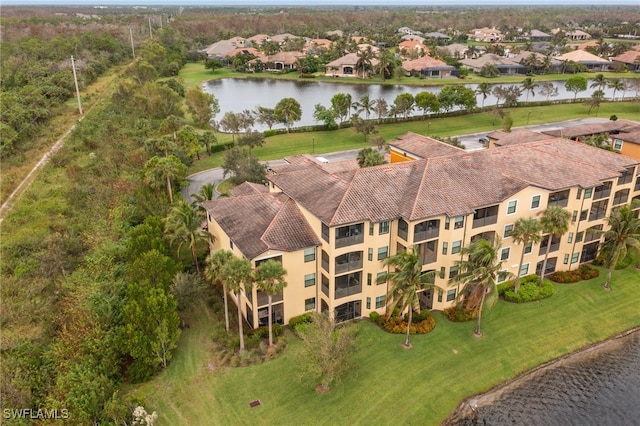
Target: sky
x=389, y=3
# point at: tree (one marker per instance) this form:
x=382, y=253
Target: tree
x=231, y=122
x=251, y=140
x=484, y=89
x=427, y=101
x=555, y=223
x=202, y=106
x=594, y=102
x=324, y=351
x=188, y=143
x=489, y=70
x=184, y=225
x=451, y=96
x=406, y=281
x=288, y=111
x=164, y=170
x=363, y=64
x=269, y=277
x=365, y=127
x=325, y=115
x=622, y=236
x=213, y=65
x=188, y=289
x=576, y=84
x=368, y=157
x=214, y=271
x=599, y=81
x=386, y=63
x=206, y=139
x=617, y=84
x=525, y=231
x=341, y=104
x=380, y=108
x=243, y=167
x=529, y=86
x=364, y=105
x=404, y=103
x=478, y=272
x=266, y=116
x=548, y=90
x=237, y=273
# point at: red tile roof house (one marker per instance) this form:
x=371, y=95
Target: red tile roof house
x=630, y=59
x=505, y=66
x=428, y=67
x=589, y=60
x=346, y=66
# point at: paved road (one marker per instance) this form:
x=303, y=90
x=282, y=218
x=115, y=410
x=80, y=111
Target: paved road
x=470, y=142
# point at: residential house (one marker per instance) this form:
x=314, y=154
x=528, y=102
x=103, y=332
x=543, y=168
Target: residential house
x=223, y=47
x=346, y=66
x=439, y=37
x=630, y=59
x=408, y=31
x=282, y=39
x=516, y=136
x=525, y=58
x=615, y=132
x=316, y=46
x=456, y=50
x=589, y=60
x=258, y=39
x=282, y=61
x=333, y=224
x=413, y=37
x=627, y=143
x=504, y=65
x=487, y=35
x=577, y=35
x=537, y=35
x=412, y=146
x=428, y=67
x=412, y=48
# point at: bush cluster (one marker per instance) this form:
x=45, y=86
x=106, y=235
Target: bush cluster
x=263, y=332
x=421, y=323
x=584, y=272
x=460, y=314
x=219, y=147
x=530, y=292
x=510, y=285
x=300, y=319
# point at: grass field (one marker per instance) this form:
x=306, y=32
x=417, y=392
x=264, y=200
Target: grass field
x=392, y=385
x=320, y=142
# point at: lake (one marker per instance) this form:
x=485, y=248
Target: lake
x=236, y=95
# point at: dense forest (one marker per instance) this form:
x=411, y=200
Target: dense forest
x=93, y=277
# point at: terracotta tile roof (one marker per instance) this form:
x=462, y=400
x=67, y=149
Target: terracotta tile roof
x=633, y=137
x=248, y=188
x=285, y=57
x=628, y=57
x=581, y=56
x=424, y=62
x=592, y=129
x=518, y=136
x=349, y=59
x=260, y=222
x=423, y=146
x=490, y=58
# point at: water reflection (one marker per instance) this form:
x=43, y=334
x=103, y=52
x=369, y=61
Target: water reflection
x=235, y=95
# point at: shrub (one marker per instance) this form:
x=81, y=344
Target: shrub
x=219, y=147
x=565, y=277
x=510, y=285
x=423, y=315
x=300, y=319
x=397, y=324
x=530, y=292
x=460, y=314
x=263, y=332
x=588, y=272
x=376, y=317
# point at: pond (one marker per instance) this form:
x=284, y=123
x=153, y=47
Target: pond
x=236, y=95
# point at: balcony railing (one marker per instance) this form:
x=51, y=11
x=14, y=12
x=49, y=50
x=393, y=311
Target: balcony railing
x=348, y=291
x=349, y=241
x=426, y=235
x=552, y=248
x=603, y=191
x=263, y=298
x=351, y=265
x=484, y=221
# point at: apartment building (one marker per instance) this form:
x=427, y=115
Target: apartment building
x=332, y=224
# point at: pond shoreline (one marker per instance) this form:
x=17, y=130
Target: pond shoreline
x=470, y=405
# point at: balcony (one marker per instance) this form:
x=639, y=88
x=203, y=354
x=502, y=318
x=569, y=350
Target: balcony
x=428, y=252
x=263, y=298
x=593, y=234
x=602, y=191
x=403, y=230
x=555, y=244
x=426, y=230
x=485, y=216
x=347, y=285
x=348, y=262
x=560, y=198
x=621, y=197
x=349, y=235
x=598, y=210
x=325, y=285
x=626, y=177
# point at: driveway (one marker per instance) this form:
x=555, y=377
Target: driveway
x=470, y=142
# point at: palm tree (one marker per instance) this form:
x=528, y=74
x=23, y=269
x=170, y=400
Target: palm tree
x=555, y=223
x=484, y=89
x=184, y=225
x=617, y=84
x=365, y=105
x=206, y=193
x=596, y=99
x=478, y=272
x=407, y=280
x=524, y=231
x=237, y=273
x=363, y=64
x=161, y=170
x=623, y=235
x=385, y=63
x=380, y=107
x=288, y=111
x=599, y=81
x=214, y=269
x=529, y=86
x=269, y=277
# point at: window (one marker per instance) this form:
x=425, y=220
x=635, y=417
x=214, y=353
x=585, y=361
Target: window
x=524, y=270
x=507, y=231
x=453, y=271
x=451, y=295
x=310, y=280
x=426, y=230
x=383, y=228
x=439, y=295
x=443, y=270
x=445, y=246
x=535, y=202
x=575, y=256
x=370, y=254
x=511, y=207
x=598, y=210
x=231, y=244
x=447, y=222
x=325, y=285
x=458, y=222
x=347, y=285
x=588, y=192
x=617, y=144
x=566, y=259
x=560, y=198
x=603, y=191
x=579, y=193
x=310, y=304
x=583, y=214
x=579, y=236
x=379, y=302
x=485, y=216
x=325, y=232
x=528, y=248
x=455, y=247
x=621, y=197
x=310, y=254
x=504, y=254
x=383, y=252
x=574, y=216
x=325, y=261
x=348, y=262
x=379, y=279
x=371, y=228
x=502, y=276
x=349, y=235
x=368, y=303
x=369, y=278
x=570, y=238
x=403, y=229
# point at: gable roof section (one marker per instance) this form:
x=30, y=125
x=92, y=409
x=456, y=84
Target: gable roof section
x=423, y=146
x=581, y=56
x=516, y=136
x=424, y=62
x=270, y=221
x=595, y=128
x=248, y=188
x=628, y=57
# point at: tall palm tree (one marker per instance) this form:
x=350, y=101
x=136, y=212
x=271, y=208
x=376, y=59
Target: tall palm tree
x=529, y=86
x=555, y=223
x=184, y=225
x=164, y=170
x=207, y=192
x=214, y=269
x=363, y=64
x=478, y=272
x=599, y=81
x=617, y=84
x=238, y=276
x=365, y=105
x=380, y=107
x=407, y=280
x=269, y=277
x=623, y=235
x=525, y=231
x=385, y=63
x=484, y=89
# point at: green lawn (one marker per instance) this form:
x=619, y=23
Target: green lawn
x=392, y=385
x=281, y=146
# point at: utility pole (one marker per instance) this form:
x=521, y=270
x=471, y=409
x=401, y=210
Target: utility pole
x=133, y=51
x=75, y=79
